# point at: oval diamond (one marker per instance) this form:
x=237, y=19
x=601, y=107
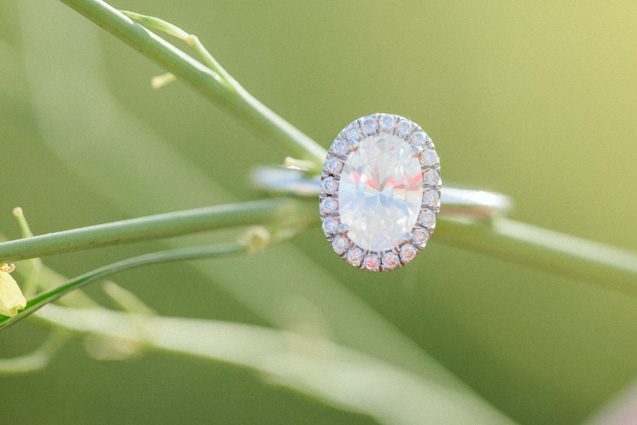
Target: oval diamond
x=384, y=192
x=380, y=192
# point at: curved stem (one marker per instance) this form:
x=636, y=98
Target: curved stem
x=522, y=243
x=78, y=282
x=306, y=363
x=233, y=98
x=160, y=226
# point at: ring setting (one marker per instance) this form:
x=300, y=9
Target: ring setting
x=380, y=192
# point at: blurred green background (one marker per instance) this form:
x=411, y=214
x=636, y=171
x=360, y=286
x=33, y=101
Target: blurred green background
x=536, y=99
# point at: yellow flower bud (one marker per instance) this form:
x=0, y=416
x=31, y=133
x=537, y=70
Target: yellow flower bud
x=11, y=298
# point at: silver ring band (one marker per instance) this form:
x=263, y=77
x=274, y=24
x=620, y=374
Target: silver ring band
x=455, y=202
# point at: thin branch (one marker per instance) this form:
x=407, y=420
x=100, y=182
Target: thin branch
x=162, y=257
x=603, y=265
x=233, y=98
x=308, y=364
x=173, y=30
x=277, y=210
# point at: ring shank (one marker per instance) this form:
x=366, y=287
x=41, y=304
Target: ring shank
x=455, y=202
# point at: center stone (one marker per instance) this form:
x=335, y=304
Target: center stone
x=380, y=192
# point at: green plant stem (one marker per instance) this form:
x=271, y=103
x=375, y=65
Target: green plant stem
x=276, y=210
x=543, y=249
x=508, y=240
x=284, y=357
x=233, y=98
x=173, y=30
x=305, y=363
x=78, y=282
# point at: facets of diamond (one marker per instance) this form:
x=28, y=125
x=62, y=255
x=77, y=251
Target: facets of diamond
x=407, y=252
x=371, y=263
x=430, y=198
x=429, y=158
x=330, y=225
x=427, y=218
x=329, y=185
x=370, y=125
x=340, y=244
x=333, y=166
x=386, y=122
x=328, y=206
x=380, y=192
x=420, y=237
x=354, y=256
x=431, y=178
x=390, y=261
x=403, y=128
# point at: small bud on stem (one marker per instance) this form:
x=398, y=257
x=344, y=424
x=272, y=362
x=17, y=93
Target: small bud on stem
x=11, y=298
x=256, y=238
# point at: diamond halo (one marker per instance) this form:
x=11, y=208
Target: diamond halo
x=380, y=192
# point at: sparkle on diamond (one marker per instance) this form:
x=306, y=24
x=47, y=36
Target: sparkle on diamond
x=380, y=192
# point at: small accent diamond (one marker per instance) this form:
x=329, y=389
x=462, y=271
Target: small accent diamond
x=329, y=185
x=429, y=158
x=386, y=122
x=351, y=132
x=371, y=263
x=354, y=256
x=334, y=166
x=431, y=178
x=420, y=237
x=371, y=125
x=407, y=253
x=339, y=147
x=419, y=139
x=404, y=128
x=431, y=199
x=330, y=225
x=328, y=206
x=340, y=244
x=427, y=218
x=390, y=261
